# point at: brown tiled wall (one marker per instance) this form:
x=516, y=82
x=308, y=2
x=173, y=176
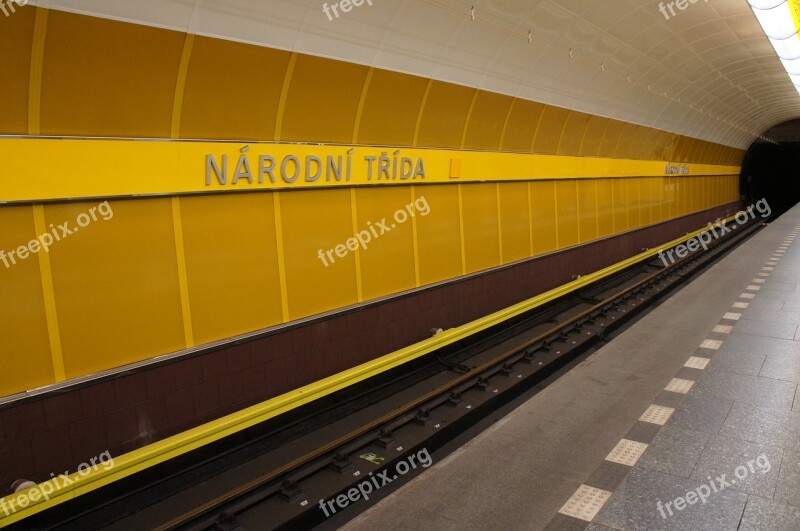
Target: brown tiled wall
x=57, y=432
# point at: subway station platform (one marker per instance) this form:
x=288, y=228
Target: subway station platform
x=687, y=420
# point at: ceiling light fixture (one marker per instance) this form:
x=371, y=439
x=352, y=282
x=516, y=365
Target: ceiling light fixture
x=780, y=20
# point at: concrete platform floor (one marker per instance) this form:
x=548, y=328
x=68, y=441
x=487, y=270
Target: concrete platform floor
x=687, y=420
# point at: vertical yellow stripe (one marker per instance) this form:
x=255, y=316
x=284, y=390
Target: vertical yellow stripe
x=354, y=214
x=578, y=207
x=48, y=291
x=499, y=222
x=421, y=112
x=35, y=81
x=415, y=238
x=555, y=212
x=180, y=85
x=276, y=199
x=469, y=117
x=183, y=278
x=287, y=80
x=360, y=111
x=538, y=125
x=461, y=231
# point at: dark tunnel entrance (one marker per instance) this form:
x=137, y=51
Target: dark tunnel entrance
x=771, y=171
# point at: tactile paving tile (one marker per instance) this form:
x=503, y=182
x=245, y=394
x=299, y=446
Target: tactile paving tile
x=712, y=344
x=723, y=329
x=732, y=316
x=695, y=362
x=626, y=452
x=679, y=385
x=657, y=414
x=753, y=288
x=741, y=304
x=759, y=280
x=585, y=503
x=768, y=268
x=763, y=274
x=747, y=296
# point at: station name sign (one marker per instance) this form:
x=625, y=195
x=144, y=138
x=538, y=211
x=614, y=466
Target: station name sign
x=676, y=169
x=310, y=169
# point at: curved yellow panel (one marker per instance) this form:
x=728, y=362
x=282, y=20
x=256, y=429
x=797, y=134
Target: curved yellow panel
x=521, y=126
x=567, y=213
x=16, y=34
x=320, y=269
x=671, y=146
x=391, y=108
x=639, y=144
x=231, y=264
x=24, y=345
x=116, y=284
x=608, y=144
x=445, y=115
x=682, y=149
x=394, y=251
x=107, y=78
x=485, y=126
x=227, y=95
x=587, y=209
x=572, y=136
x=550, y=130
x=439, y=234
x=481, y=226
x=593, y=136
x=544, y=228
x=322, y=101
x=626, y=140
x=515, y=221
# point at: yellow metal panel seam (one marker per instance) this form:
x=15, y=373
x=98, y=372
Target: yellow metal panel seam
x=180, y=444
x=468, y=118
x=357, y=253
x=361, y=101
x=505, y=124
x=180, y=85
x=276, y=200
x=183, y=277
x=37, y=63
x=578, y=209
x=462, y=239
x=421, y=112
x=536, y=130
x=555, y=213
x=414, y=237
x=48, y=291
x=287, y=80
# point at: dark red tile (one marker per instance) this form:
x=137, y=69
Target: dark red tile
x=231, y=388
x=122, y=427
x=276, y=377
x=23, y=421
x=180, y=405
x=131, y=389
x=152, y=415
x=262, y=350
x=161, y=381
x=62, y=409
x=18, y=463
x=206, y=397
x=238, y=358
x=253, y=381
x=52, y=453
x=338, y=328
x=88, y=439
x=301, y=339
x=98, y=399
x=188, y=373
x=214, y=365
x=320, y=333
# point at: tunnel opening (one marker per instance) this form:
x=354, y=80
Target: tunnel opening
x=770, y=171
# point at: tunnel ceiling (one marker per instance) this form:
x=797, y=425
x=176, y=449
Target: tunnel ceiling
x=708, y=71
